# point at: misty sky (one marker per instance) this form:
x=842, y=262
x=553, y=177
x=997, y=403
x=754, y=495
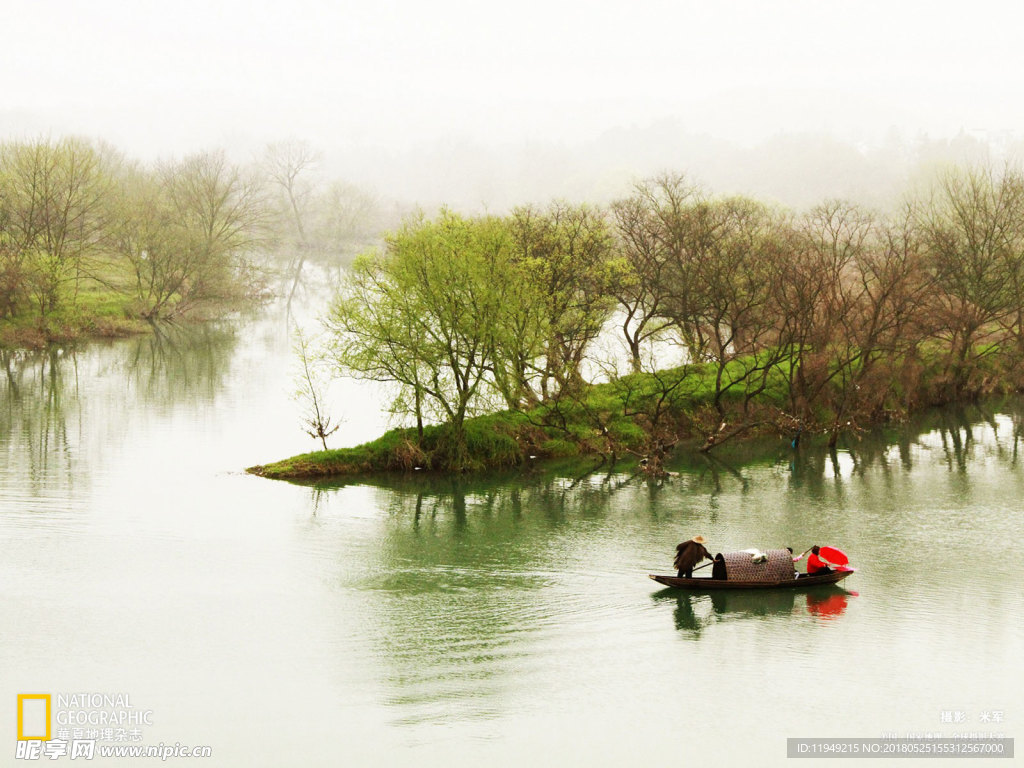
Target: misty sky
x=162, y=78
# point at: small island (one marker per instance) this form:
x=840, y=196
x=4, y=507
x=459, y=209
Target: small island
x=735, y=318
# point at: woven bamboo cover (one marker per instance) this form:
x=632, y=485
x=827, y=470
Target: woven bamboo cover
x=740, y=566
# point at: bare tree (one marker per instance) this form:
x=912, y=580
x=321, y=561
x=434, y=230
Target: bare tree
x=971, y=228
x=54, y=206
x=822, y=302
x=1013, y=254
x=315, y=420
x=651, y=232
x=219, y=214
x=284, y=163
x=739, y=255
x=566, y=252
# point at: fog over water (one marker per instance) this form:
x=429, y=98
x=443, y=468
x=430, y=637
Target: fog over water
x=500, y=619
x=483, y=105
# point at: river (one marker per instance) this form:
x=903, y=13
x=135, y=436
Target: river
x=497, y=620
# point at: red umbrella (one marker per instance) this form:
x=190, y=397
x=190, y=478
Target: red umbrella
x=833, y=555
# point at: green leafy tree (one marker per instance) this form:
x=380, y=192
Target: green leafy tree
x=424, y=315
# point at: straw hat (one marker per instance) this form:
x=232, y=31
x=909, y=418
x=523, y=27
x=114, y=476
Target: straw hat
x=698, y=539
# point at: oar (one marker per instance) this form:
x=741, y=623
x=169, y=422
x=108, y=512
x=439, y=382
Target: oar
x=798, y=559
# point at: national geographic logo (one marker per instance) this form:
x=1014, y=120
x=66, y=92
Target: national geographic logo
x=101, y=712
x=34, y=716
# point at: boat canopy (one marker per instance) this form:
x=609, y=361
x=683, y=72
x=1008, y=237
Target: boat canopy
x=776, y=565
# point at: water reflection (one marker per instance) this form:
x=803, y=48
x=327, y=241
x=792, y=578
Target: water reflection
x=695, y=612
x=560, y=490
x=963, y=437
x=62, y=408
x=472, y=578
x=39, y=396
x=828, y=605
x=476, y=581
x=177, y=364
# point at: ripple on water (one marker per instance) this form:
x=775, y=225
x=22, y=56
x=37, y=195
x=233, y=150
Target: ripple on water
x=447, y=654
x=44, y=513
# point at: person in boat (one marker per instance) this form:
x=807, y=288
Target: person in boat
x=688, y=554
x=718, y=570
x=815, y=565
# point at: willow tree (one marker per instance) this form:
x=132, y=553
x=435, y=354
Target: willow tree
x=426, y=315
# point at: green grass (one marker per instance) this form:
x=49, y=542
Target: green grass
x=101, y=308
x=613, y=416
x=494, y=440
x=96, y=312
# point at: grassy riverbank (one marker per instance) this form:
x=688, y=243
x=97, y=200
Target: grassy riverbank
x=94, y=244
x=637, y=415
x=97, y=313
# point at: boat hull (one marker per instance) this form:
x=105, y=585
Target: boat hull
x=701, y=584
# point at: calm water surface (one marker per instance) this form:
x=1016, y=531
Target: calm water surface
x=505, y=619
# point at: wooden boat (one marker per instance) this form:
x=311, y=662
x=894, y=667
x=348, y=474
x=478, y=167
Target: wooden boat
x=768, y=570
x=702, y=583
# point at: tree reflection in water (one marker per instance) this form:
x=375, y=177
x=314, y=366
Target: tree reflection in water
x=61, y=408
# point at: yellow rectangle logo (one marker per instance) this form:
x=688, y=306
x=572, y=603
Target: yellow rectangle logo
x=33, y=717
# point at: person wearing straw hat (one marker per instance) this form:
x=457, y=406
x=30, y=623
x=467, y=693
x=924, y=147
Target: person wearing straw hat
x=688, y=554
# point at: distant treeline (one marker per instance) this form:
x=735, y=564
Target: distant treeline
x=825, y=320
x=88, y=237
